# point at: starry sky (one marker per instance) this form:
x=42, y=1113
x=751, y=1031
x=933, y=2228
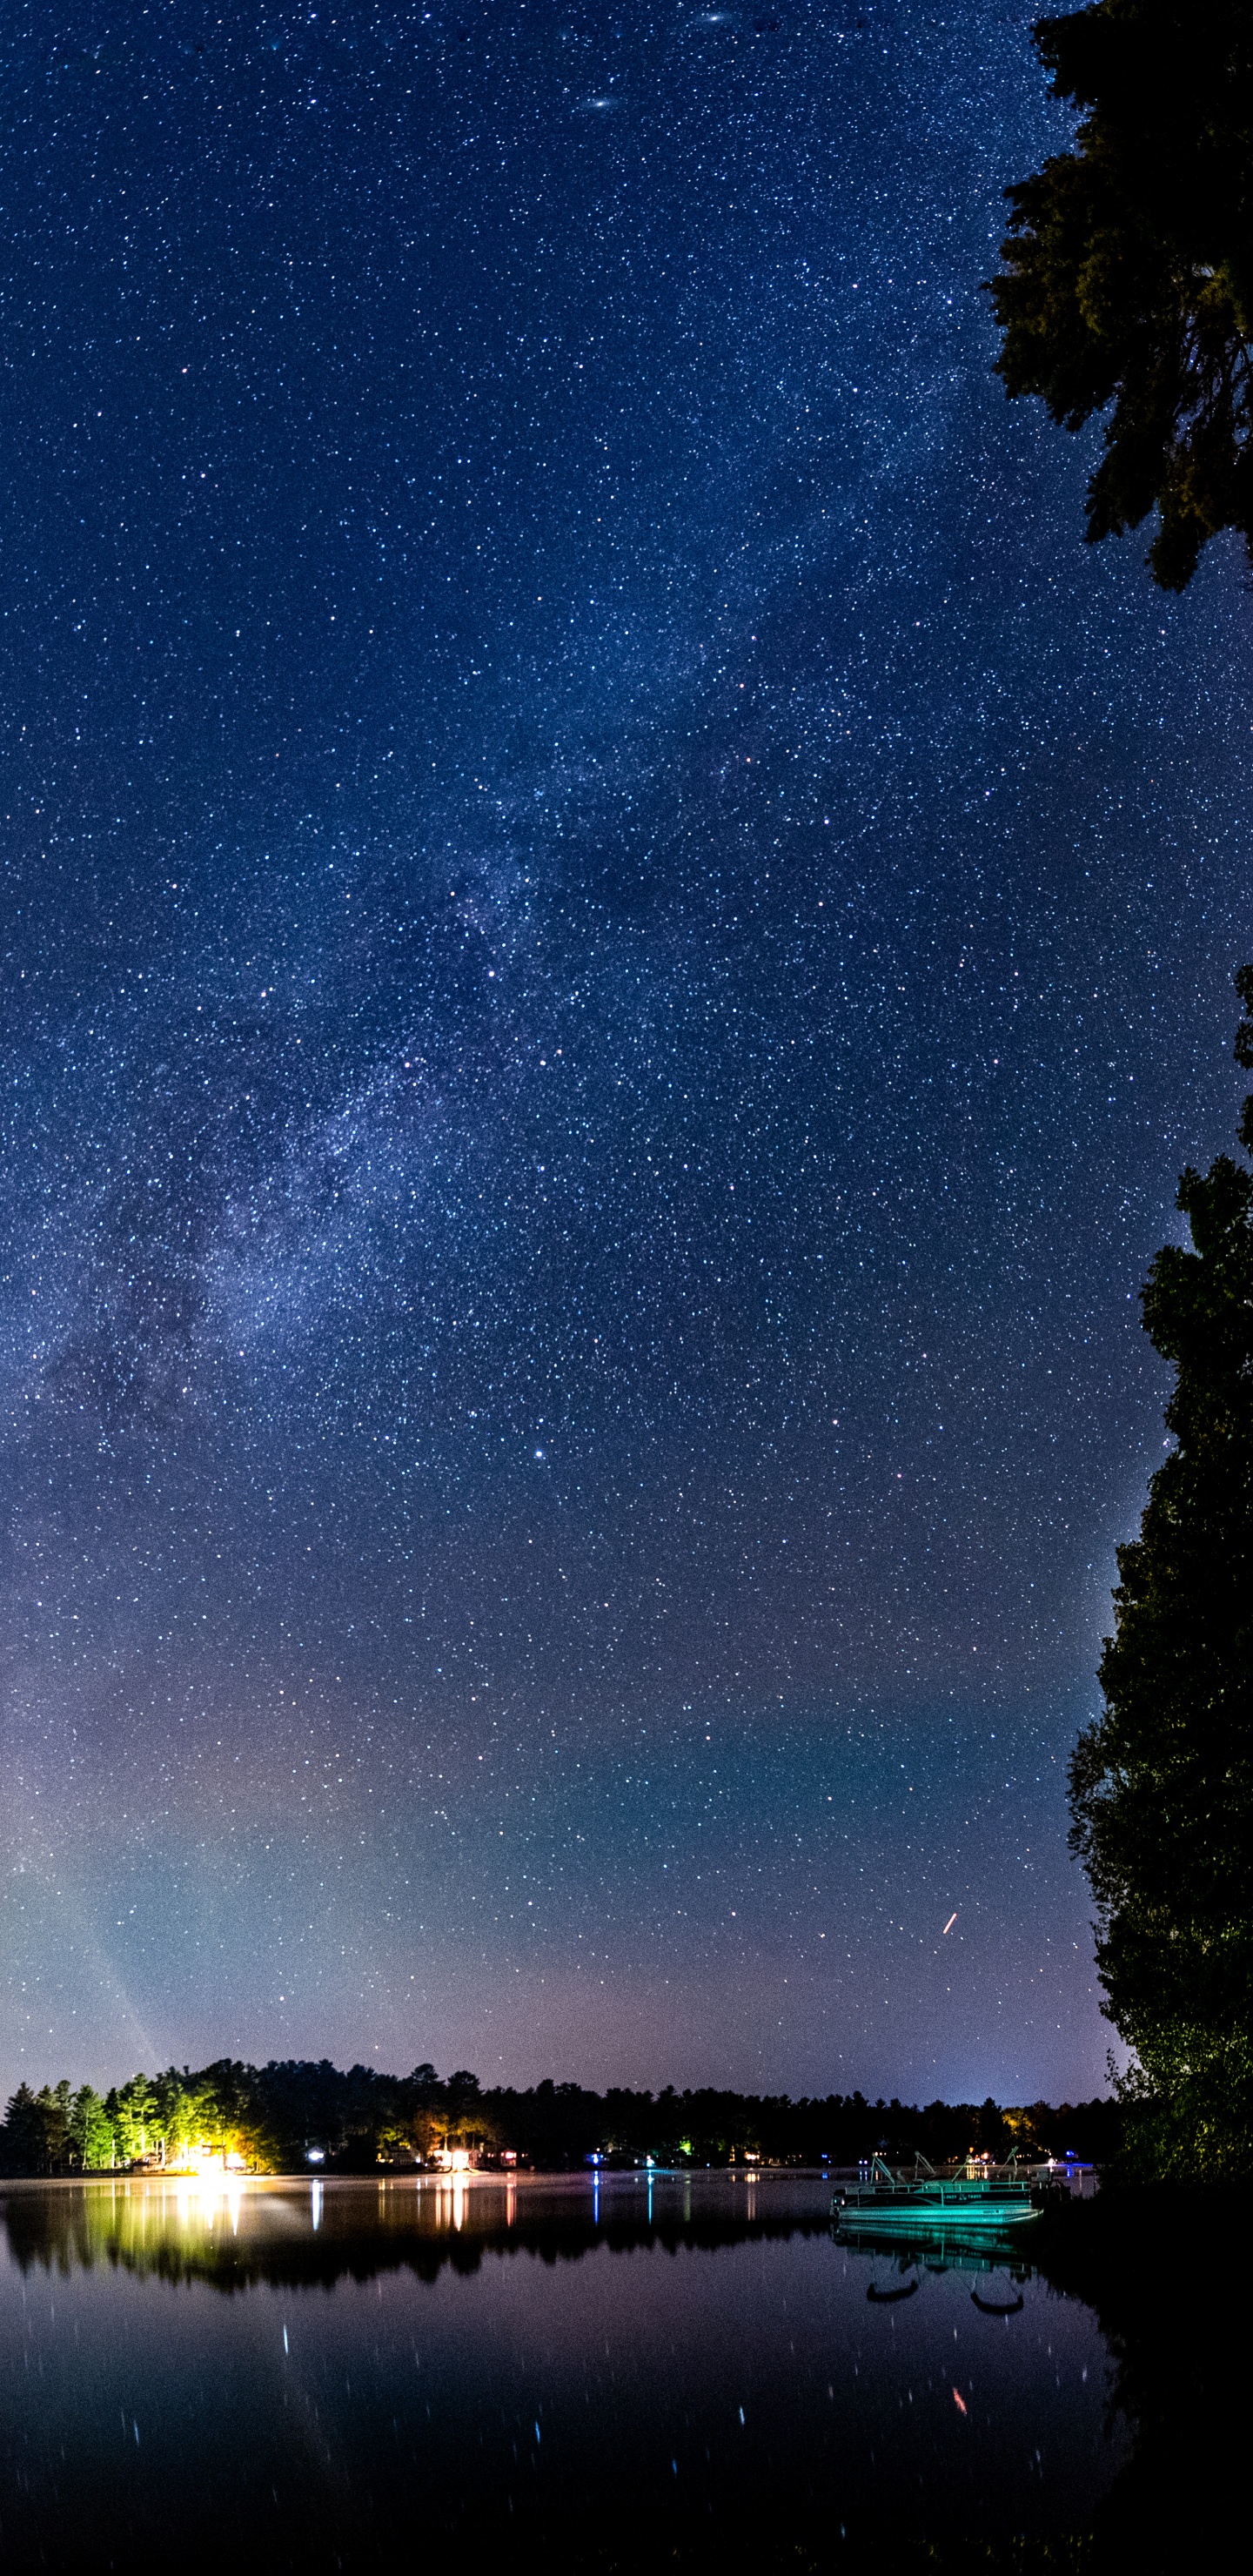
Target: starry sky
x=613, y=938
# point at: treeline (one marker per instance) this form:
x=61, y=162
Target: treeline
x=285, y=2116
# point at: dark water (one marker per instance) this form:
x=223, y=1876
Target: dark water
x=690, y=2373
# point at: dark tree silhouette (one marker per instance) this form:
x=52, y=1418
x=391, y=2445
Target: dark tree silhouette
x=1162, y=1784
x=1130, y=267
x=288, y=2115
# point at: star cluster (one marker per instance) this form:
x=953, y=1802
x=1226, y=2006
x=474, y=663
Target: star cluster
x=613, y=939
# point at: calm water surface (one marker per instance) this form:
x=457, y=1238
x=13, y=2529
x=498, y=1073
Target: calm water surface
x=344, y=2374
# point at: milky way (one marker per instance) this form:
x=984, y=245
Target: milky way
x=614, y=936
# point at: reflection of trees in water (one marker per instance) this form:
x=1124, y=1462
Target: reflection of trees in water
x=1156, y=2265
x=233, y=2242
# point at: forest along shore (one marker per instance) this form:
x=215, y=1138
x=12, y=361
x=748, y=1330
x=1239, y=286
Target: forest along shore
x=290, y=2116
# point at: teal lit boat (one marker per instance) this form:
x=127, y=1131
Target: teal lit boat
x=967, y=2199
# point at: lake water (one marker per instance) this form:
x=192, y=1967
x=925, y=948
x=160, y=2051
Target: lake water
x=688, y=2372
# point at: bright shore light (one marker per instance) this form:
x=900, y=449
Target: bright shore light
x=207, y=2164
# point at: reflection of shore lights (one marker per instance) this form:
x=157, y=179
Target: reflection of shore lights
x=202, y=2194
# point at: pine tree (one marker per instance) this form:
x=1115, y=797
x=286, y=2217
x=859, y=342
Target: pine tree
x=91, y=2130
x=1128, y=283
x=23, y=2147
x=1162, y=1784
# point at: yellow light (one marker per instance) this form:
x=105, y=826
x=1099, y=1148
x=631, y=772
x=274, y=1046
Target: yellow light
x=209, y=2164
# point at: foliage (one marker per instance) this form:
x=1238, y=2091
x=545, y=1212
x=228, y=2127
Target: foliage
x=132, y=2110
x=1162, y=1783
x=24, y=2137
x=52, y=2103
x=90, y=2131
x=1130, y=267
x=51, y=2132
x=278, y=2117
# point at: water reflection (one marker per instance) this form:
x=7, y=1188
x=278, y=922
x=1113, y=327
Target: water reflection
x=617, y=2372
x=231, y=2233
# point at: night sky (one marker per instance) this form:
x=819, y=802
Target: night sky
x=613, y=939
